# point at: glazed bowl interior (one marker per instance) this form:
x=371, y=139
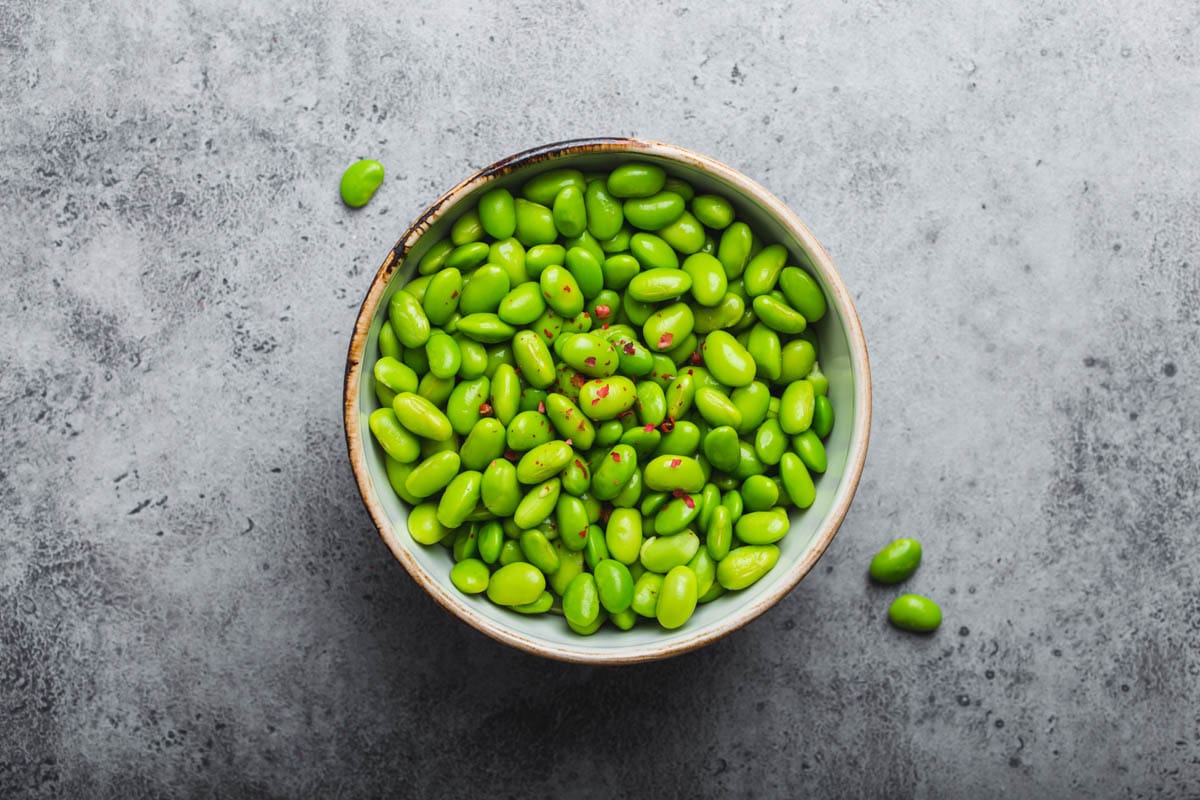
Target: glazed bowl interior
x=843, y=358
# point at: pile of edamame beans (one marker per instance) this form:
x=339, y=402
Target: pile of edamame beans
x=603, y=397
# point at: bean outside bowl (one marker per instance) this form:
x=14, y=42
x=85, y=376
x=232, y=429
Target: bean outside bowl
x=843, y=357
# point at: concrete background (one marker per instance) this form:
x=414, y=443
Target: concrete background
x=193, y=602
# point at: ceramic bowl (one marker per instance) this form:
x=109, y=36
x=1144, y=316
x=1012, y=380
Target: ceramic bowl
x=843, y=356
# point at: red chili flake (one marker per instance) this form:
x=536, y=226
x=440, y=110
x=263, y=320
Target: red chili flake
x=541, y=407
x=674, y=462
x=648, y=428
x=697, y=358
x=604, y=327
x=578, y=464
x=678, y=494
x=688, y=501
x=512, y=455
x=577, y=380
x=665, y=340
x=603, y=390
x=590, y=361
x=485, y=409
x=546, y=331
x=603, y=311
x=629, y=349
x=667, y=425
x=583, y=533
x=616, y=456
x=566, y=288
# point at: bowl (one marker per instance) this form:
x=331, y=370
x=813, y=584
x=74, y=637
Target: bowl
x=843, y=359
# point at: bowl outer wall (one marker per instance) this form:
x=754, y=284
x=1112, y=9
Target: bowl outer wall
x=844, y=360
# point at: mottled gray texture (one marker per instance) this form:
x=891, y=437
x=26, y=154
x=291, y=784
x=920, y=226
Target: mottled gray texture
x=193, y=601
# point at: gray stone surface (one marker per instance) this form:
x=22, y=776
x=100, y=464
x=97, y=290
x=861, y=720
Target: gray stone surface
x=193, y=601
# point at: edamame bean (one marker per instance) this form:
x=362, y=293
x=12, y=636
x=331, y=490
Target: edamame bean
x=685, y=234
x=658, y=284
x=516, y=584
x=912, y=612
x=470, y=576
x=718, y=536
x=570, y=215
x=763, y=270
x=486, y=328
x=796, y=480
x=666, y=328
x=727, y=360
x=466, y=229
x=796, y=407
x=540, y=606
x=803, y=293
x=654, y=212
x=490, y=541
x=360, y=181
x=759, y=493
x=605, y=398
x=422, y=417
x=652, y=252
x=822, y=422
x=619, y=270
x=445, y=358
x=778, y=315
x=676, y=598
x=498, y=213
x=808, y=446
x=670, y=472
x=604, y=213
x=423, y=524
x=467, y=256
x=897, y=561
x=561, y=291
x=395, y=440
x=661, y=553
x=545, y=187
x=500, y=490
x=586, y=268
x=743, y=566
x=538, y=504
x=535, y=223
x=395, y=375
x=709, y=283
x=636, y=179
x=460, y=498
x=733, y=251
x=543, y=461
x=581, y=601
x=614, y=585
x=539, y=552
x=408, y=319
x=716, y=408
x=714, y=211
x=433, y=474
x=645, y=594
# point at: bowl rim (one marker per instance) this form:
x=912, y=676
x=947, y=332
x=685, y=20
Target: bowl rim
x=841, y=299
